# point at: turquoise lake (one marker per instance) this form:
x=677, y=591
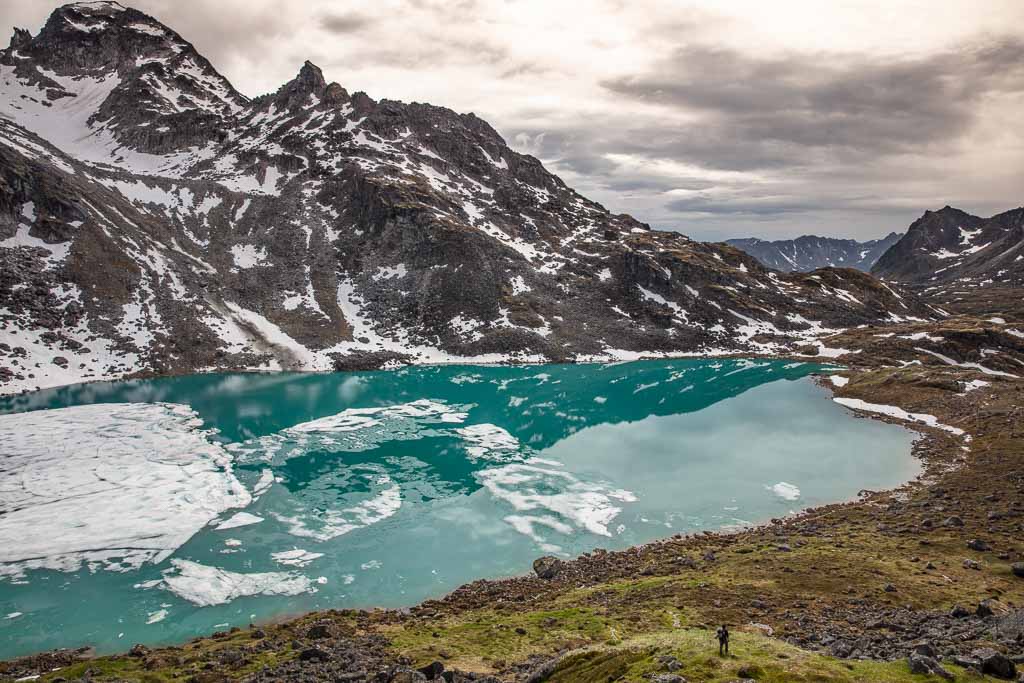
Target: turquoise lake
x=153, y=511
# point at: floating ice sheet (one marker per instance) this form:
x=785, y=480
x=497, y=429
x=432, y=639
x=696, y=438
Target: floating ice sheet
x=146, y=473
x=322, y=514
x=564, y=501
x=488, y=441
x=205, y=586
x=239, y=519
x=355, y=429
x=295, y=557
x=785, y=490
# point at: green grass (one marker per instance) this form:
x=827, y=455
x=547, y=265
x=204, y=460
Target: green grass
x=761, y=658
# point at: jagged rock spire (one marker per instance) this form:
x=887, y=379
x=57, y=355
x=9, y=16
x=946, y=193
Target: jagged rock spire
x=307, y=85
x=311, y=77
x=20, y=38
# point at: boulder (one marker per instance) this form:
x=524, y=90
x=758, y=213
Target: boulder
x=313, y=654
x=547, y=567
x=979, y=545
x=670, y=663
x=432, y=670
x=318, y=631
x=995, y=663
x=841, y=649
x=926, y=649
x=990, y=607
x=959, y=612
x=404, y=675
x=952, y=521
x=1018, y=569
x=923, y=664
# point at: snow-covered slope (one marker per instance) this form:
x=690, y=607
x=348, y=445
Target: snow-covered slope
x=154, y=220
x=811, y=252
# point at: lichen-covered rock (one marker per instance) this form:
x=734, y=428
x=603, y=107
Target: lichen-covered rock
x=547, y=567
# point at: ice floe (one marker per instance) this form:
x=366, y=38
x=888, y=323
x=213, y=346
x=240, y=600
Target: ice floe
x=785, y=490
x=266, y=480
x=488, y=441
x=206, y=586
x=157, y=616
x=543, y=486
x=355, y=429
x=295, y=557
x=319, y=521
x=239, y=519
x=146, y=473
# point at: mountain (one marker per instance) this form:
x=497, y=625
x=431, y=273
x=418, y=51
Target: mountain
x=153, y=220
x=810, y=252
x=950, y=247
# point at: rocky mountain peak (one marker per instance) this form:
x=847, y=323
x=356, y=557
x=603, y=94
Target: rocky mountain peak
x=311, y=77
x=952, y=246
x=20, y=38
x=309, y=88
x=99, y=38
x=127, y=81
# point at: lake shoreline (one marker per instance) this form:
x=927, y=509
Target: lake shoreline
x=7, y=393
x=890, y=548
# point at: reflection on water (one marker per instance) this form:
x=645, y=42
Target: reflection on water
x=386, y=488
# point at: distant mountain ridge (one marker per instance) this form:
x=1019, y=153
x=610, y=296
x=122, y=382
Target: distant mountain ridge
x=811, y=252
x=155, y=221
x=951, y=247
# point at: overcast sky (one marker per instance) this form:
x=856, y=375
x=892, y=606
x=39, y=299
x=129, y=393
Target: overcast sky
x=720, y=119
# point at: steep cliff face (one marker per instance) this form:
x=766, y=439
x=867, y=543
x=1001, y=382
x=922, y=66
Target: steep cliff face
x=154, y=220
x=810, y=252
x=952, y=248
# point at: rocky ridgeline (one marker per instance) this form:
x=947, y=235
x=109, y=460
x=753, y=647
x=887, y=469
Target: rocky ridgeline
x=811, y=252
x=154, y=220
x=951, y=249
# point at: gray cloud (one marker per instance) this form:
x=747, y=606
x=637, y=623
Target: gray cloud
x=752, y=206
x=757, y=112
x=344, y=22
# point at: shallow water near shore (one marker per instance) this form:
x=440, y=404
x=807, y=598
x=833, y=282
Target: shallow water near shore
x=153, y=511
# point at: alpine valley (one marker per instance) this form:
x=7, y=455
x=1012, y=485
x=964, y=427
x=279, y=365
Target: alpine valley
x=218, y=459
x=153, y=220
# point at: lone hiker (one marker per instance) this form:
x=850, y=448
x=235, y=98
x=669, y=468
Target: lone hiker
x=723, y=640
